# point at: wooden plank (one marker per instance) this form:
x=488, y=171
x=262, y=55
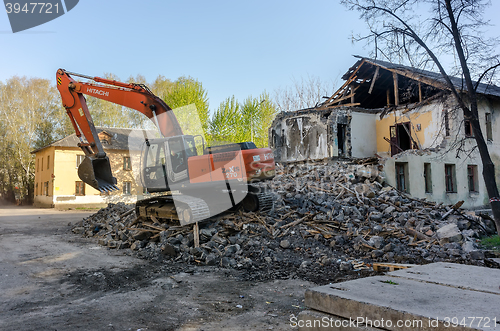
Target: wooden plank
x=340, y=99
x=296, y=222
x=419, y=235
x=196, y=233
x=346, y=105
x=127, y=213
x=415, y=76
x=348, y=81
x=373, y=80
x=419, y=92
x=396, y=88
x=153, y=227
x=341, y=89
x=141, y=229
x=377, y=266
x=393, y=144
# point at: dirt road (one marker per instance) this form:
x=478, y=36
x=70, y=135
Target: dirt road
x=51, y=279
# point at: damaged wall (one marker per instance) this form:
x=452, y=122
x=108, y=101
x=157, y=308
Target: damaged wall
x=299, y=136
x=425, y=126
x=438, y=157
x=320, y=134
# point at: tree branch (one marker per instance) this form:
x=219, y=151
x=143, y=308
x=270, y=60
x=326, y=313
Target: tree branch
x=484, y=74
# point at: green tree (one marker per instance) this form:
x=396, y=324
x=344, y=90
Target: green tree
x=250, y=121
x=162, y=86
x=135, y=118
x=226, y=124
x=183, y=92
x=257, y=116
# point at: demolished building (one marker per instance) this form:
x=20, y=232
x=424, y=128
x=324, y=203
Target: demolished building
x=407, y=118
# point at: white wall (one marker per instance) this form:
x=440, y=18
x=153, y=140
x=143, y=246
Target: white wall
x=415, y=168
x=363, y=133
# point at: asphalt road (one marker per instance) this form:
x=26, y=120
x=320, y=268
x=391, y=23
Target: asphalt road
x=51, y=279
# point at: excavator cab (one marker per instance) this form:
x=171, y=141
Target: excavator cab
x=164, y=161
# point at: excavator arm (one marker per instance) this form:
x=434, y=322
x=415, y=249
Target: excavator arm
x=95, y=170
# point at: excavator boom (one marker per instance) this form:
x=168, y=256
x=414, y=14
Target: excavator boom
x=95, y=170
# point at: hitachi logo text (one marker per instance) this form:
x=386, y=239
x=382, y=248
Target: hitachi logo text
x=96, y=91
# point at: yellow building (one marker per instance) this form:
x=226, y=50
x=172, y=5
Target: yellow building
x=56, y=180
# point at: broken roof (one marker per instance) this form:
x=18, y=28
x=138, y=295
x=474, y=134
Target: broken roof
x=410, y=72
x=376, y=84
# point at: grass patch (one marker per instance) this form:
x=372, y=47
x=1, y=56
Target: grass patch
x=492, y=242
x=389, y=282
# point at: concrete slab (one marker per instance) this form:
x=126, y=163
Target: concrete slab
x=456, y=275
x=312, y=320
x=396, y=303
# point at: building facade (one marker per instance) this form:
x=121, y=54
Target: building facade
x=56, y=179
x=409, y=120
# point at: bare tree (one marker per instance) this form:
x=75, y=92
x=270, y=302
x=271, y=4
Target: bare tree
x=454, y=31
x=303, y=94
x=28, y=107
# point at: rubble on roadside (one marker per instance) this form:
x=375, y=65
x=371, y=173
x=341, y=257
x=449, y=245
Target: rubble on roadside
x=328, y=219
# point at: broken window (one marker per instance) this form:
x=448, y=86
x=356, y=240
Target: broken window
x=472, y=178
x=449, y=177
x=402, y=176
x=79, y=188
x=341, y=139
x=489, y=132
x=400, y=138
x=277, y=140
x=468, y=129
x=427, y=178
x=446, y=123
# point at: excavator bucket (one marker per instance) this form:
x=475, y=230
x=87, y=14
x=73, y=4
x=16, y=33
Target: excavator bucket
x=97, y=173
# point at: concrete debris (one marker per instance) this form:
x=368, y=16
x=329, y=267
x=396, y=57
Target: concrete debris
x=327, y=218
x=449, y=233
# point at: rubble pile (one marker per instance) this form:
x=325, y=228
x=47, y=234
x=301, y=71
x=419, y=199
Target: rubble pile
x=328, y=219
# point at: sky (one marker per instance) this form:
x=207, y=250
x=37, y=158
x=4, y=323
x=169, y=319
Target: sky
x=238, y=48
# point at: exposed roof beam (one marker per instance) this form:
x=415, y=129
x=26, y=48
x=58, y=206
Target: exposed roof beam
x=373, y=80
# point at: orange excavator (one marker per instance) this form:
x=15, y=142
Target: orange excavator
x=188, y=181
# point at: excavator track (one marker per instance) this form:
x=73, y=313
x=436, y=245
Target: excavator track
x=196, y=209
x=265, y=201
x=254, y=201
x=186, y=209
